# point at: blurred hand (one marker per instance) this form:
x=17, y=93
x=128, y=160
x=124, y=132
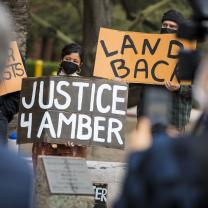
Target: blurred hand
x=141, y=137
x=172, y=87
x=173, y=132
x=69, y=144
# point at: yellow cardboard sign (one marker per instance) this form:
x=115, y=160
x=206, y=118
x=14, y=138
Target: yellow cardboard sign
x=14, y=72
x=138, y=57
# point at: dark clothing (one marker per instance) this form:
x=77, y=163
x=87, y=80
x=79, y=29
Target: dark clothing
x=3, y=129
x=165, y=176
x=9, y=105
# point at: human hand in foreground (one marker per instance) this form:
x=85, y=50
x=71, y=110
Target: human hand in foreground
x=141, y=138
x=171, y=86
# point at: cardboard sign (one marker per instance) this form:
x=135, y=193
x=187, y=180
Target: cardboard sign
x=68, y=109
x=101, y=193
x=67, y=175
x=138, y=57
x=14, y=72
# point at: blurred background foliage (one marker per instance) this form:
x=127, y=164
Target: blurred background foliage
x=67, y=16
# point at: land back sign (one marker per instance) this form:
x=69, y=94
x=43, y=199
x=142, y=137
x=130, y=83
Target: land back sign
x=138, y=57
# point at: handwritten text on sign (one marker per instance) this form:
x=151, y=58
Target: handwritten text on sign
x=101, y=193
x=138, y=57
x=79, y=110
x=14, y=72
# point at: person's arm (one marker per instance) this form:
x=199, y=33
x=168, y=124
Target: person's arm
x=182, y=90
x=10, y=105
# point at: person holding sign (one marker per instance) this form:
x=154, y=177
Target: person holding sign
x=71, y=62
x=181, y=94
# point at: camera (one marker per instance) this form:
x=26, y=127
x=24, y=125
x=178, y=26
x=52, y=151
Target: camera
x=194, y=29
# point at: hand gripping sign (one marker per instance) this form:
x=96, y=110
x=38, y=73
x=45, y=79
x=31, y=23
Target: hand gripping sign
x=138, y=57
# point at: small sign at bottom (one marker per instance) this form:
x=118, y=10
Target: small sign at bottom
x=101, y=192
x=67, y=175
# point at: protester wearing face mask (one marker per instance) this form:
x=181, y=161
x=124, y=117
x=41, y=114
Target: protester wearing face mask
x=71, y=62
x=182, y=95
x=170, y=22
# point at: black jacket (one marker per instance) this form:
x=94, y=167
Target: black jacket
x=167, y=175
x=9, y=105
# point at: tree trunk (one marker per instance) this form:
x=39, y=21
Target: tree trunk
x=35, y=52
x=96, y=14
x=48, y=47
x=19, y=10
x=35, y=49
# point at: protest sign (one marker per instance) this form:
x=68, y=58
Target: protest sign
x=68, y=109
x=138, y=57
x=14, y=72
x=101, y=193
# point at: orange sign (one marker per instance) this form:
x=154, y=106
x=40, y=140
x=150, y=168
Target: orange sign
x=138, y=57
x=14, y=72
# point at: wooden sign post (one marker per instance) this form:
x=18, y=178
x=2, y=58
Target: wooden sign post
x=68, y=109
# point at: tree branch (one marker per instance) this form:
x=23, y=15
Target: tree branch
x=141, y=17
x=65, y=38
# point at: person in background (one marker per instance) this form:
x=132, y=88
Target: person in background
x=182, y=95
x=71, y=62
